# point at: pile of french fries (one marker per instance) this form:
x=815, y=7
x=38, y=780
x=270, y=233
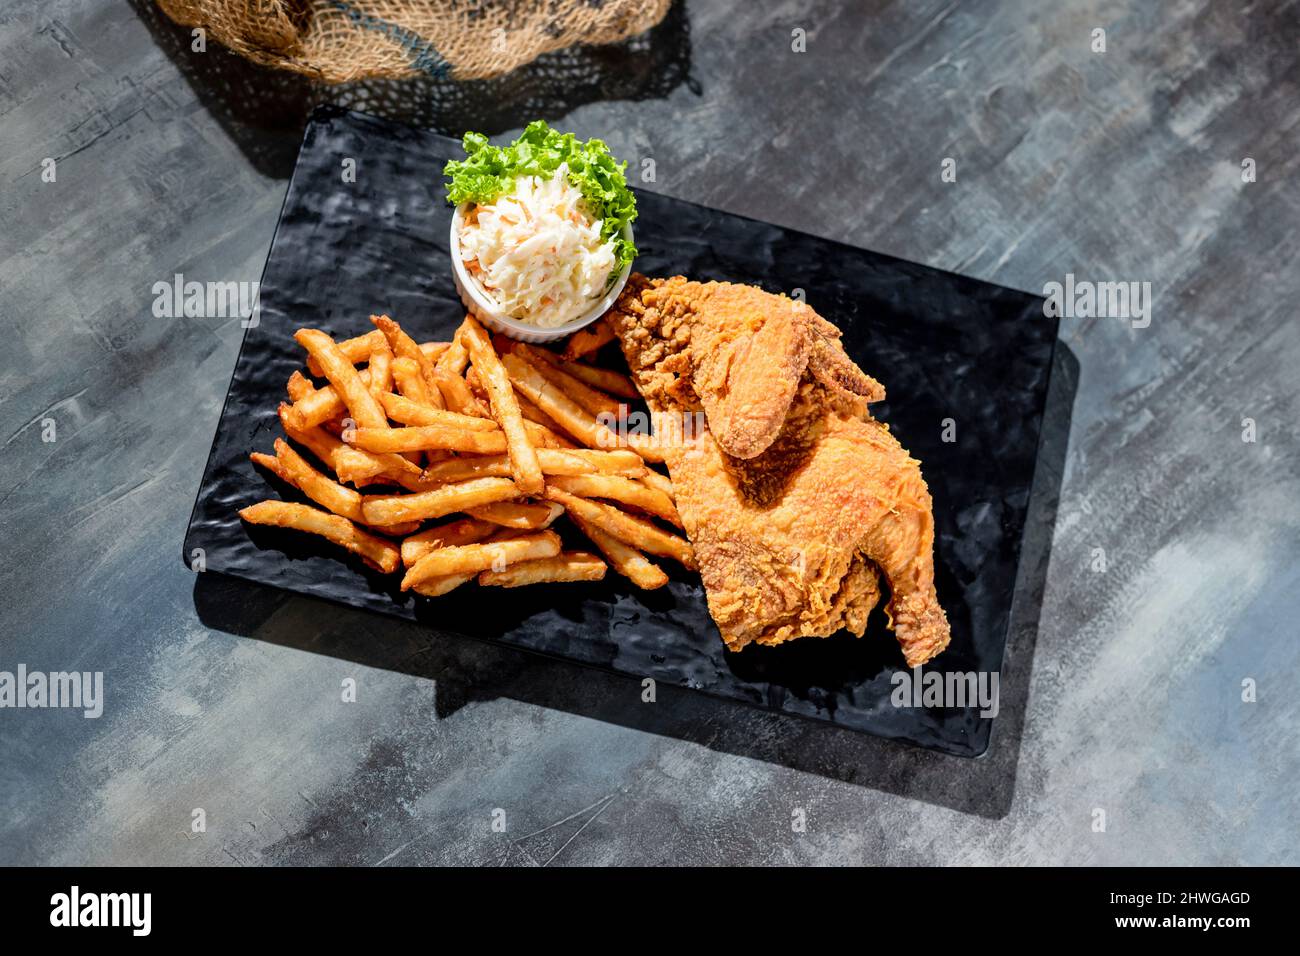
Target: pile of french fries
x=451, y=461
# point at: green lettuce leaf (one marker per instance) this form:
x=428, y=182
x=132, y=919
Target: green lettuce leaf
x=488, y=172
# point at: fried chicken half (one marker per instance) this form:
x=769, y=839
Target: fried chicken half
x=792, y=495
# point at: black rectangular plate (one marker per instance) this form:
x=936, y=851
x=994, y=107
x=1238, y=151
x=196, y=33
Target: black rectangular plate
x=946, y=347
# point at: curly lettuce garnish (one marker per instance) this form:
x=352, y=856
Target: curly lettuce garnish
x=488, y=172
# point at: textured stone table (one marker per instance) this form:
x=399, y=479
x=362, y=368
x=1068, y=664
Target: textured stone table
x=1122, y=694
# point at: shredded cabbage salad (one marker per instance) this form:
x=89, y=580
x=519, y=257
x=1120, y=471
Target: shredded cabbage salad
x=537, y=251
x=542, y=230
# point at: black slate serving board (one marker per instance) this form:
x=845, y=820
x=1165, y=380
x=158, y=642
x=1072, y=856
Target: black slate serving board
x=944, y=346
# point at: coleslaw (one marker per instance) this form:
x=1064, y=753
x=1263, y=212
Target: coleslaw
x=538, y=252
x=543, y=222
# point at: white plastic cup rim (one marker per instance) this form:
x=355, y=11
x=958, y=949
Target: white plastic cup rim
x=486, y=311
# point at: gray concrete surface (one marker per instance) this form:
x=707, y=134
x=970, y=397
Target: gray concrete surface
x=1125, y=698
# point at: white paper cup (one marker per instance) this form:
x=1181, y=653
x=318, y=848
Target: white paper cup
x=485, y=310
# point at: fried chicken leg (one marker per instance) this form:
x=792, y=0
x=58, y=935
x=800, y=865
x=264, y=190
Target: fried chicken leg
x=792, y=495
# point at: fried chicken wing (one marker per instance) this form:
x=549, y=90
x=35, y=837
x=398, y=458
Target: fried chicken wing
x=792, y=495
x=734, y=351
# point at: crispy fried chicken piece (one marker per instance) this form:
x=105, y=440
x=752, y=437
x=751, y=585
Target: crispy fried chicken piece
x=736, y=352
x=793, y=496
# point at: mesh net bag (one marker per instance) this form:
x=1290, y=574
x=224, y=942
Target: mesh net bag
x=338, y=41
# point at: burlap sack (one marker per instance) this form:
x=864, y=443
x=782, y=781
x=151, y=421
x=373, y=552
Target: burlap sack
x=337, y=41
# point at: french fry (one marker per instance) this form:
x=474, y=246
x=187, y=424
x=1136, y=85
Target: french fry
x=659, y=482
x=567, y=566
x=404, y=346
x=380, y=368
x=408, y=412
x=270, y=463
x=299, y=387
x=324, y=490
x=460, y=531
x=358, y=350
x=428, y=438
x=526, y=515
x=594, y=401
x=472, y=558
x=313, y=406
x=605, y=379
x=571, y=416
x=380, y=510
x=617, y=461
x=355, y=350
x=350, y=464
x=587, y=341
x=360, y=470
x=644, y=445
x=403, y=530
x=294, y=469
x=562, y=409
x=319, y=405
x=632, y=530
x=460, y=469
x=364, y=463
x=436, y=587
x=538, y=434
x=542, y=437
x=381, y=554
x=455, y=360
x=476, y=386
x=410, y=382
x=554, y=461
x=623, y=490
x=536, y=422
x=315, y=439
x=537, y=416
x=505, y=409
x=627, y=561
x=365, y=410
x=457, y=395
x=410, y=482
